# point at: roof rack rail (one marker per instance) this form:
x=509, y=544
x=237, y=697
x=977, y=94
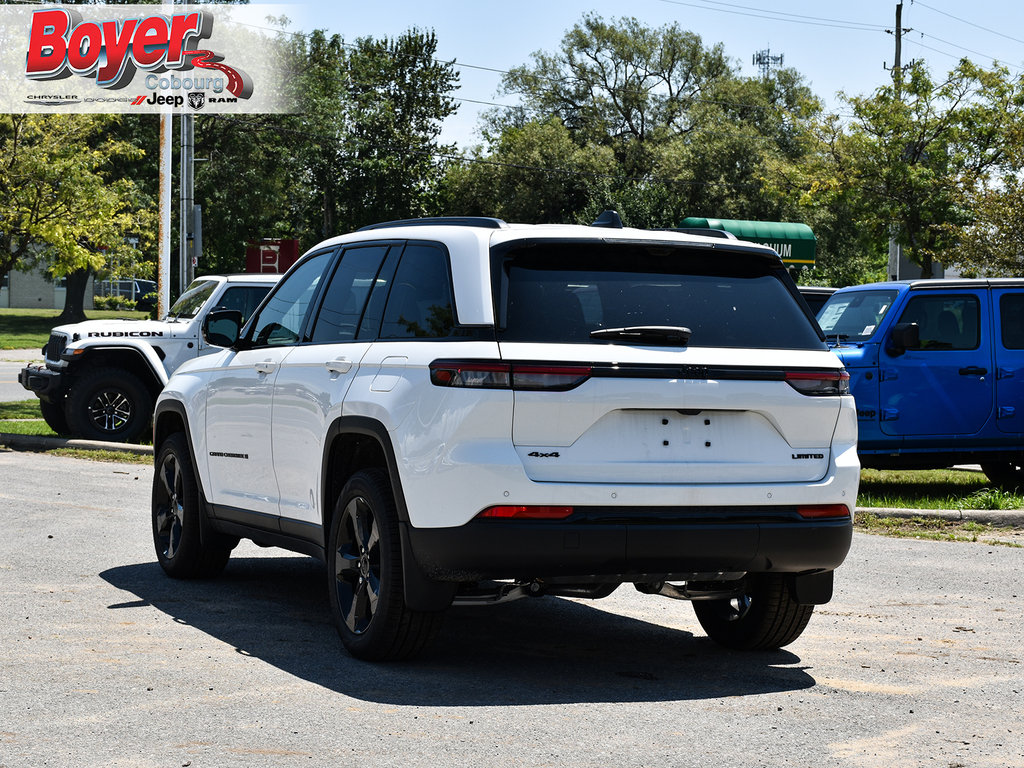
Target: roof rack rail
x=720, y=233
x=486, y=222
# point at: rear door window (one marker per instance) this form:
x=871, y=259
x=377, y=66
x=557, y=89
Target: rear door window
x=561, y=292
x=1011, y=320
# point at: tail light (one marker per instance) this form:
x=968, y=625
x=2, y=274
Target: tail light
x=819, y=383
x=823, y=511
x=481, y=374
x=527, y=513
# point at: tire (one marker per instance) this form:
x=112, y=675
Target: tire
x=765, y=618
x=54, y=416
x=1008, y=475
x=109, y=404
x=183, y=548
x=365, y=578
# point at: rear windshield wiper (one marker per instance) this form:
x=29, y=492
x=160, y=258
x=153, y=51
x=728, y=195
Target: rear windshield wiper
x=667, y=335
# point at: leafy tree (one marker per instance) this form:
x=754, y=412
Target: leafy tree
x=920, y=151
x=993, y=245
x=399, y=95
x=621, y=84
x=677, y=130
x=61, y=205
x=536, y=173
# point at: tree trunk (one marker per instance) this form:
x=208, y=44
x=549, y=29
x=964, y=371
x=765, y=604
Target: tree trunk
x=74, y=298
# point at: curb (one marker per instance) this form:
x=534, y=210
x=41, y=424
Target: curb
x=45, y=443
x=1001, y=517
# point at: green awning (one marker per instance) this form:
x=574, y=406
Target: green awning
x=794, y=242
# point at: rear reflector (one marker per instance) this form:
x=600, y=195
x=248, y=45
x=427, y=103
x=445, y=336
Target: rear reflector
x=485, y=374
x=527, y=513
x=819, y=511
x=819, y=383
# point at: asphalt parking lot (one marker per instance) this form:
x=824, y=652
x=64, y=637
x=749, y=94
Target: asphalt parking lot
x=916, y=661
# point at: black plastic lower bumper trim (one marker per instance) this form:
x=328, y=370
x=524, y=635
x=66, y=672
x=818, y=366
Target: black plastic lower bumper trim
x=500, y=549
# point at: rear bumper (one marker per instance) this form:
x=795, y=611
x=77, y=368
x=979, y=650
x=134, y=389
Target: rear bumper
x=40, y=380
x=635, y=546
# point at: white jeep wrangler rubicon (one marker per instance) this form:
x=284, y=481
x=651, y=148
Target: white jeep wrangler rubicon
x=100, y=377
x=462, y=410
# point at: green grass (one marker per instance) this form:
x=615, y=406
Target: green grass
x=932, y=489
x=20, y=409
x=935, y=529
x=121, y=457
x=30, y=328
x=23, y=417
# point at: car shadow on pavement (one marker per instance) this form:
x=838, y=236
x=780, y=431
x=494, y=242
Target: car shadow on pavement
x=546, y=651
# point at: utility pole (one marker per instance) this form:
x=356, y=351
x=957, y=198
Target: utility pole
x=895, y=251
x=186, y=228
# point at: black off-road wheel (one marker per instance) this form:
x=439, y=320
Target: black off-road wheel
x=764, y=618
x=109, y=404
x=364, y=574
x=54, y=416
x=184, y=549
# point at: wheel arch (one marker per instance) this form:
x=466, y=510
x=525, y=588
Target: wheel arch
x=132, y=359
x=170, y=416
x=358, y=442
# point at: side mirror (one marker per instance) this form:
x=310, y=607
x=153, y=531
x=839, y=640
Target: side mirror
x=222, y=327
x=904, y=336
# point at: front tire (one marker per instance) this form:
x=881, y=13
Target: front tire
x=109, y=404
x=54, y=416
x=764, y=618
x=365, y=576
x=184, y=550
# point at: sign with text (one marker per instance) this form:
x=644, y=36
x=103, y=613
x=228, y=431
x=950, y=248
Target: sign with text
x=142, y=58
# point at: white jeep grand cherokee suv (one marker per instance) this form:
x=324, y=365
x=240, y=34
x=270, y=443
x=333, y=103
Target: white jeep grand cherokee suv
x=463, y=410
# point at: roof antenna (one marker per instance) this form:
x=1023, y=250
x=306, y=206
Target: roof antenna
x=609, y=220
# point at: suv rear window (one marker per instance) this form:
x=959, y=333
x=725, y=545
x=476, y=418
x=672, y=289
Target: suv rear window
x=560, y=292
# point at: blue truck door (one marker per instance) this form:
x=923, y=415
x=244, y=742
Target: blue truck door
x=945, y=386
x=1008, y=307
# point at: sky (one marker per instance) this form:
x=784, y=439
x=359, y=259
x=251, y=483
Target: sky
x=836, y=46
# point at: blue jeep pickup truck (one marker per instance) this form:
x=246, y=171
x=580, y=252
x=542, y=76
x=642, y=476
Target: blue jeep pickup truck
x=937, y=370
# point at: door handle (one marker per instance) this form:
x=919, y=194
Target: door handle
x=973, y=370
x=339, y=365
x=265, y=366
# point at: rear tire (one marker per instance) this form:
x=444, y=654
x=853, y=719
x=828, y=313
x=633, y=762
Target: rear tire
x=764, y=618
x=54, y=416
x=1008, y=475
x=109, y=404
x=365, y=579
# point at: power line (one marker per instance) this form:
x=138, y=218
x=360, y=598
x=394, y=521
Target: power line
x=969, y=23
x=794, y=18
